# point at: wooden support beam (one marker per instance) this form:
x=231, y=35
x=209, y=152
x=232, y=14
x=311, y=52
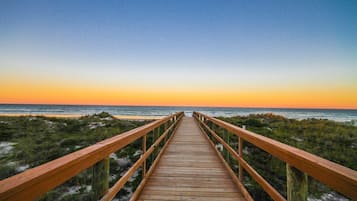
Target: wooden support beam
x=240, y=153
x=226, y=136
x=157, y=135
x=166, y=125
x=152, y=142
x=144, y=151
x=100, y=179
x=297, y=183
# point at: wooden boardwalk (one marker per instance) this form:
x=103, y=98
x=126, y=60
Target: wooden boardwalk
x=190, y=170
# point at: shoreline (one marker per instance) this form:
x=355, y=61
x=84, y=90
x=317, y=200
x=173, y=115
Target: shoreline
x=157, y=113
x=76, y=116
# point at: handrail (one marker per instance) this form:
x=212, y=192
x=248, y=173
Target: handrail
x=338, y=177
x=120, y=183
x=34, y=182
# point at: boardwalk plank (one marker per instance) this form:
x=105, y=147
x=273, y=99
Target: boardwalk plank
x=190, y=170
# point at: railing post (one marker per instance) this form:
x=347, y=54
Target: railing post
x=157, y=135
x=100, y=180
x=165, y=128
x=152, y=142
x=297, y=183
x=240, y=153
x=226, y=136
x=213, y=128
x=144, y=151
x=171, y=122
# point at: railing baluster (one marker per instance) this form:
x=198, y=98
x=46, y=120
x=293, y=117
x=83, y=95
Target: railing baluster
x=213, y=127
x=157, y=135
x=151, y=143
x=297, y=183
x=100, y=179
x=165, y=128
x=226, y=135
x=240, y=153
x=144, y=151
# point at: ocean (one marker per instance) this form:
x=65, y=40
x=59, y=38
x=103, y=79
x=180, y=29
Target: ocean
x=147, y=112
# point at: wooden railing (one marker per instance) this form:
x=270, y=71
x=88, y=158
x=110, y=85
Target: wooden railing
x=299, y=163
x=33, y=183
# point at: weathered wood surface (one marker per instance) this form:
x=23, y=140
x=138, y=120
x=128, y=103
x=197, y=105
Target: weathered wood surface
x=190, y=170
x=297, y=184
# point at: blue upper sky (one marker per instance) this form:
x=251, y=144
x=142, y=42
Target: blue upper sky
x=181, y=29
x=285, y=41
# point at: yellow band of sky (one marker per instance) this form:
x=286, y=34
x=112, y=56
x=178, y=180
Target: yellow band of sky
x=291, y=97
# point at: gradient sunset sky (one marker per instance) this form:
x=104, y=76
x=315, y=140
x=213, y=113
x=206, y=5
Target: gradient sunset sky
x=186, y=53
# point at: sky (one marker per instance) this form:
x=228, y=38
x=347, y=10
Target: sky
x=290, y=54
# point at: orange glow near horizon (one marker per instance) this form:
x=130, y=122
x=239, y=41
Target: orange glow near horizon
x=294, y=97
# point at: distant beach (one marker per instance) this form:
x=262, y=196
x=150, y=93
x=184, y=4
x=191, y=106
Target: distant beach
x=126, y=117
x=156, y=112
